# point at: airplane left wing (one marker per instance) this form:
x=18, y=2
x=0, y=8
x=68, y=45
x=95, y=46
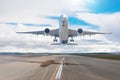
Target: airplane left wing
x=93, y=33
x=53, y=32
x=74, y=33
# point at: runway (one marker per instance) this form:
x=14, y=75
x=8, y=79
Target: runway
x=85, y=68
x=74, y=68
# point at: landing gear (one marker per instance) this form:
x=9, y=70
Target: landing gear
x=71, y=40
x=55, y=40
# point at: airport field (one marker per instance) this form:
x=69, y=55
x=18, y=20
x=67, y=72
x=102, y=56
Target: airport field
x=103, y=55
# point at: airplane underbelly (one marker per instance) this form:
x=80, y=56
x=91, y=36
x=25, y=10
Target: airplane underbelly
x=64, y=36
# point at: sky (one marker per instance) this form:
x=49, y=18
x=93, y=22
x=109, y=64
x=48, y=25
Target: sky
x=90, y=15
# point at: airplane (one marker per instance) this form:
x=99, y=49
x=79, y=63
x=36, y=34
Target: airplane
x=63, y=33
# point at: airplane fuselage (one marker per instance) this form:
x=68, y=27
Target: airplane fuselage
x=63, y=29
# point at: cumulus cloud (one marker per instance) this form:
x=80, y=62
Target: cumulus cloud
x=12, y=42
x=105, y=22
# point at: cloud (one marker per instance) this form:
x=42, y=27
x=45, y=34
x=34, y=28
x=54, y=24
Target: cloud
x=26, y=24
x=105, y=22
x=12, y=42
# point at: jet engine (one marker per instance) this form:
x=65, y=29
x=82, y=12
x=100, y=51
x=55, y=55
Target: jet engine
x=47, y=31
x=79, y=31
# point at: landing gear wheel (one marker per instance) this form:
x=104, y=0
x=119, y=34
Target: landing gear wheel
x=72, y=40
x=55, y=40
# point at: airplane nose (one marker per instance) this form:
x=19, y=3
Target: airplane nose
x=64, y=16
x=64, y=41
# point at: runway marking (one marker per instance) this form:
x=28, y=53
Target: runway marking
x=58, y=71
x=54, y=73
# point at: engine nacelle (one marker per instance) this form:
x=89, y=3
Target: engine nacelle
x=79, y=31
x=47, y=31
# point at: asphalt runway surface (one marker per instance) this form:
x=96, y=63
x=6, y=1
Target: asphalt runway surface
x=74, y=68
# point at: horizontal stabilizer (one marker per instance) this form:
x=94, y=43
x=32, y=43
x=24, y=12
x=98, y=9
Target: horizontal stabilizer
x=72, y=44
x=66, y=44
x=55, y=44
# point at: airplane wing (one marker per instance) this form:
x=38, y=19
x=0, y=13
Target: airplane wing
x=93, y=33
x=54, y=32
x=74, y=33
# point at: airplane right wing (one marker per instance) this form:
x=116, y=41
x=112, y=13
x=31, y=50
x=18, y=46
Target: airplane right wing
x=53, y=32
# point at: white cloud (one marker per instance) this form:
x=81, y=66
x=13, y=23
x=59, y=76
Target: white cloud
x=105, y=22
x=10, y=41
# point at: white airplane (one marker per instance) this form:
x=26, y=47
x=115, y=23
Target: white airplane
x=63, y=32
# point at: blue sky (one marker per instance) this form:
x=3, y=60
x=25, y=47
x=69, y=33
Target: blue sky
x=95, y=15
x=104, y=6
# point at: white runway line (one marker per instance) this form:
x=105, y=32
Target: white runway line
x=59, y=72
